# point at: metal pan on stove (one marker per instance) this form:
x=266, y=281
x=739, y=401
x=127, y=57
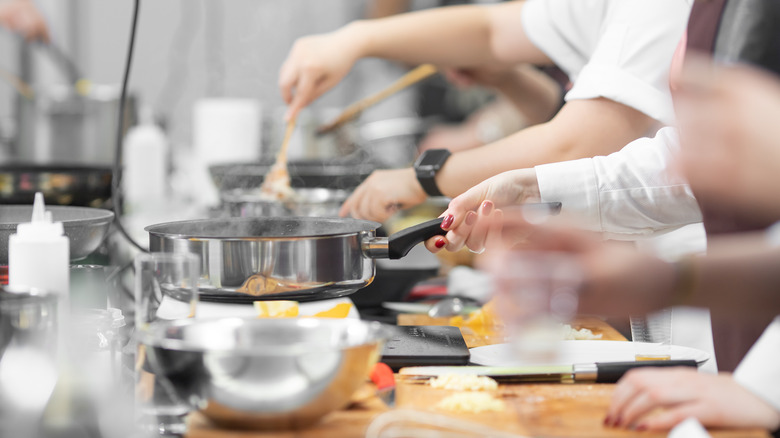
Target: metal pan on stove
x=296, y=258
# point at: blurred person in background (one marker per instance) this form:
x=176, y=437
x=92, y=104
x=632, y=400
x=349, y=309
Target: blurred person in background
x=729, y=151
x=467, y=105
x=618, y=54
x=24, y=18
x=631, y=193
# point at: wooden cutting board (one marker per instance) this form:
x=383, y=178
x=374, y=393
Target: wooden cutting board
x=554, y=410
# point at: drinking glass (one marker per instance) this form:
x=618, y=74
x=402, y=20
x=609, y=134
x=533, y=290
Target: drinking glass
x=536, y=294
x=655, y=329
x=166, y=288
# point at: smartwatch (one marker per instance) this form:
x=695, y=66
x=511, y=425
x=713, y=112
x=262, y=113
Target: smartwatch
x=426, y=167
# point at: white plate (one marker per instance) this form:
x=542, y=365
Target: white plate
x=503, y=355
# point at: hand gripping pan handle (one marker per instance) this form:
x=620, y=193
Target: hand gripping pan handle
x=400, y=243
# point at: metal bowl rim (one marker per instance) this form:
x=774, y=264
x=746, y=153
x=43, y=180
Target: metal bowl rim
x=100, y=217
x=378, y=333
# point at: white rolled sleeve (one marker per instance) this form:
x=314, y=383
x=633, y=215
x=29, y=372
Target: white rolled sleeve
x=759, y=371
x=627, y=194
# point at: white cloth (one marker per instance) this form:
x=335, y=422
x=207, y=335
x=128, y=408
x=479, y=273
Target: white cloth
x=759, y=371
x=626, y=194
x=616, y=49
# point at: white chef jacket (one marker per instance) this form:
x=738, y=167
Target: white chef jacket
x=616, y=49
x=759, y=371
x=626, y=194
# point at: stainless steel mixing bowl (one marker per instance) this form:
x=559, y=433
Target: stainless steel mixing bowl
x=264, y=373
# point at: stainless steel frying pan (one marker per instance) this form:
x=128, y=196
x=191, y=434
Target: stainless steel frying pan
x=85, y=227
x=298, y=258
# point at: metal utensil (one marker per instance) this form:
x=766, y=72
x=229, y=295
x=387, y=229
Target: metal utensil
x=264, y=373
x=448, y=306
x=599, y=372
x=297, y=258
x=85, y=227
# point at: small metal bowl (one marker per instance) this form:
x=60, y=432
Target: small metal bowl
x=266, y=374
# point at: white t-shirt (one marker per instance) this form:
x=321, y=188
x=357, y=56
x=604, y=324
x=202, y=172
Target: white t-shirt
x=627, y=194
x=617, y=49
x=759, y=371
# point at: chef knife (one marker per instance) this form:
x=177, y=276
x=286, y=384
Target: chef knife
x=599, y=372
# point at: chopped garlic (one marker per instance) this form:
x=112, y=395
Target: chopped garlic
x=570, y=333
x=474, y=402
x=464, y=382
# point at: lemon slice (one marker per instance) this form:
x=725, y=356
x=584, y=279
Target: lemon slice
x=340, y=310
x=276, y=309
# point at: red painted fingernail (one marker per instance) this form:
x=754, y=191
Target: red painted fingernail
x=607, y=420
x=440, y=243
x=471, y=218
x=617, y=420
x=447, y=222
x=487, y=207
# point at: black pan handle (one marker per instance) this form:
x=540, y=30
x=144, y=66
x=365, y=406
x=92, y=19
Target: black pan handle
x=611, y=372
x=400, y=243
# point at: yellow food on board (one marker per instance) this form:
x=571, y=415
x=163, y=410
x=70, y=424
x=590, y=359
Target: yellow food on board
x=484, y=317
x=472, y=402
x=340, y=310
x=276, y=309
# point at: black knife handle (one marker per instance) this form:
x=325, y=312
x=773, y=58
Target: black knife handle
x=611, y=372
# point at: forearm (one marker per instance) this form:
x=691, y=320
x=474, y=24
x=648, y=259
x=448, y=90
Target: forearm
x=582, y=129
x=459, y=36
x=534, y=94
x=738, y=277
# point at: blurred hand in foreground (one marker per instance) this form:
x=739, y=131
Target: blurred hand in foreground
x=659, y=399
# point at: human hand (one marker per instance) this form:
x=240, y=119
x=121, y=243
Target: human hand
x=729, y=136
x=382, y=194
x=715, y=400
x=474, y=218
x=316, y=64
x=22, y=17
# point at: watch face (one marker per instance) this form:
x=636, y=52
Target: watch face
x=433, y=158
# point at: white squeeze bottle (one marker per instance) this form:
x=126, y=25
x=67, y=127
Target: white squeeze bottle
x=39, y=257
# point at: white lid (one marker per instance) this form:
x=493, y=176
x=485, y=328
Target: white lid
x=41, y=225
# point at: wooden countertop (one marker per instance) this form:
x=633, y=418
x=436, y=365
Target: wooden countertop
x=573, y=410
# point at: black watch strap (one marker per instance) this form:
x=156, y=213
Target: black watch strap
x=426, y=167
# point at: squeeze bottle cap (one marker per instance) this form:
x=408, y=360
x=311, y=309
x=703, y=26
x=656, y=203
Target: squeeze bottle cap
x=41, y=225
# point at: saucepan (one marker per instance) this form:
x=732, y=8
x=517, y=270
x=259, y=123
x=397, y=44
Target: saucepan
x=277, y=258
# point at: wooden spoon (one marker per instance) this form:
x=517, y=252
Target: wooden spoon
x=418, y=74
x=277, y=181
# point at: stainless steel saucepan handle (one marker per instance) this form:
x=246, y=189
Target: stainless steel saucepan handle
x=400, y=243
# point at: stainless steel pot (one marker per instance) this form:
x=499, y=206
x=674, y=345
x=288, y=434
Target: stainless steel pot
x=248, y=259
x=319, y=202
